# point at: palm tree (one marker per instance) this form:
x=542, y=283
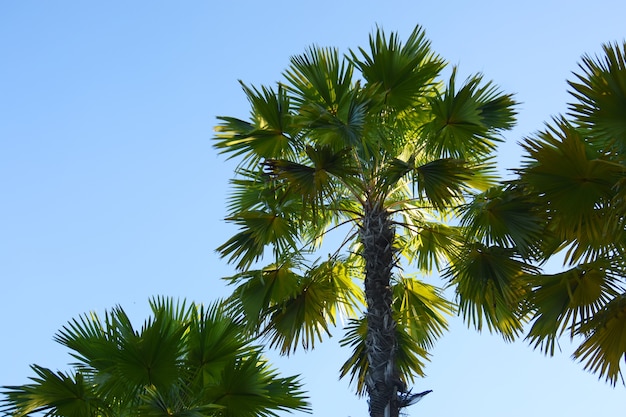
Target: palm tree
x=373, y=152
x=569, y=203
x=187, y=361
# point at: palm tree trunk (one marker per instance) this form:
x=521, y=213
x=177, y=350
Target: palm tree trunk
x=382, y=378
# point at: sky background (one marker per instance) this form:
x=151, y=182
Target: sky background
x=110, y=191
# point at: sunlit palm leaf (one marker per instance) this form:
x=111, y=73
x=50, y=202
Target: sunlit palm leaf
x=431, y=245
x=318, y=182
x=258, y=291
x=268, y=136
x=410, y=355
x=326, y=291
x=421, y=309
x=319, y=76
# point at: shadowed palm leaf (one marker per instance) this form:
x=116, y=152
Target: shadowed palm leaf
x=569, y=199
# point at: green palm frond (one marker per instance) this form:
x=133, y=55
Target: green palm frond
x=175, y=402
x=331, y=110
x=186, y=361
x=250, y=388
x=269, y=135
x=258, y=291
x=319, y=76
x=421, y=309
x=567, y=299
x=490, y=288
x=505, y=217
x=399, y=74
x=575, y=184
x=55, y=394
x=430, y=245
x=318, y=182
x=292, y=307
x=258, y=229
x=465, y=123
x=212, y=339
x=326, y=290
x=604, y=348
x=601, y=93
x=443, y=181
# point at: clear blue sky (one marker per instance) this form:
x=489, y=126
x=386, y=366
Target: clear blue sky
x=110, y=191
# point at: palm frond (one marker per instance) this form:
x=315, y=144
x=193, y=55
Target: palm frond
x=319, y=76
x=258, y=291
x=604, y=348
x=567, y=300
x=505, y=217
x=399, y=74
x=465, y=123
x=574, y=183
x=268, y=135
x=249, y=387
x=601, y=93
x=421, y=309
x=326, y=290
x=443, y=181
x=490, y=288
x=258, y=229
x=55, y=394
x=431, y=245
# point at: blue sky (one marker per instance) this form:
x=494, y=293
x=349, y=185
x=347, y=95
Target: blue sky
x=110, y=191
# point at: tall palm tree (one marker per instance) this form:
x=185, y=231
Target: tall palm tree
x=372, y=151
x=569, y=203
x=187, y=361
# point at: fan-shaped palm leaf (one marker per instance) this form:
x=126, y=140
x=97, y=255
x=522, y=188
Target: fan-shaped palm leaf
x=490, y=288
x=601, y=94
x=55, y=394
x=184, y=361
x=604, y=347
x=464, y=122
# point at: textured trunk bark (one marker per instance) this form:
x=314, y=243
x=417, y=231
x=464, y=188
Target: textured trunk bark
x=382, y=378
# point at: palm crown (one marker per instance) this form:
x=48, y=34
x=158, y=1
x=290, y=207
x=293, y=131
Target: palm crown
x=372, y=142
x=186, y=360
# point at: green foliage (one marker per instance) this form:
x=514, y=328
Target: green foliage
x=344, y=136
x=567, y=204
x=183, y=361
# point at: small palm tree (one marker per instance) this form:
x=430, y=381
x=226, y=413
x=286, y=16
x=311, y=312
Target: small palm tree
x=187, y=361
x=569, y=201
x=374, y=151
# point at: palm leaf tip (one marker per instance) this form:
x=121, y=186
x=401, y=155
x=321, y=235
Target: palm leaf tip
x=604, y=347
x=600, y=91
